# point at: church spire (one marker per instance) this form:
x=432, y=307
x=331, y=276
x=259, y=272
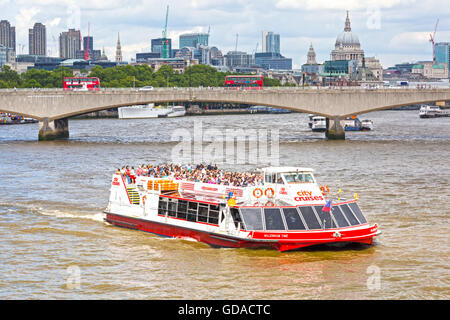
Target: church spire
x=118, y=49
x=347, y=24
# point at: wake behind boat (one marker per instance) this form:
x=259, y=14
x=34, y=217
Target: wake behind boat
x=278, y=207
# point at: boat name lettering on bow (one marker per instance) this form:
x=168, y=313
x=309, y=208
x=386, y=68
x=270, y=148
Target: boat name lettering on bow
x=307, y=196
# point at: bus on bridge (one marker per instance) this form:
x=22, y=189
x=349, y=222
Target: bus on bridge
x=244, y=82
x=81, y=84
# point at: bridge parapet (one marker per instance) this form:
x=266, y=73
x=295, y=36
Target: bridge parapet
x=54, y=104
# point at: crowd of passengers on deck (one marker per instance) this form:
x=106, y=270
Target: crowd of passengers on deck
x=196, y=173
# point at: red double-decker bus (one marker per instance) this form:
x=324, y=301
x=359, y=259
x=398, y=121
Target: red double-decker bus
x=81, y=84
x=249, y=82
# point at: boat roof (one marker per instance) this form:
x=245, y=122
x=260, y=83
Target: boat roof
x=285, y=169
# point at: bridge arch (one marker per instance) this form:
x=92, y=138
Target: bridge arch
x=335, y=104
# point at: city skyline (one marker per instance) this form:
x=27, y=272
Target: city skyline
x=394, y=32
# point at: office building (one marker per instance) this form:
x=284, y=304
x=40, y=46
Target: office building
x=37, y=40
x=193, y=39
x=88, y=50
x=3, y=55
x=69, y=44
x=7, y=35
x=442, y=52
x=235, y=59
x=216, y=56
x=144, y=57
x=272, y=60
x=264, y=37
x=157, y=46
x=8, y=39
x=272, y=42
x=430, y=70
x=88, y=44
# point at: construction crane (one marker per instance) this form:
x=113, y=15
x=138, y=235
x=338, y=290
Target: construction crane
x=165, y=41
x=432, y=37
x=256, y=49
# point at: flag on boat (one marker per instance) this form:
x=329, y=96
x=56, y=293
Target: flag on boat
x=327, y=206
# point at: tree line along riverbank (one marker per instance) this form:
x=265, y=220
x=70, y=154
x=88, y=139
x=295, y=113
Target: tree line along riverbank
x=126, y=76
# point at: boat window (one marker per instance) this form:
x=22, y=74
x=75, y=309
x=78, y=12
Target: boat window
x=213, y=216
x=348, y=213
x=298, y=177
x=182, y=209
x=192, y=211
x=357, y=211
x=237, y=218
x=202, y=213
x=310, y=218
x=268, y=178
x=162, y=206
x=339, y=217
x=192, y=205
x=172, y=208
x=293, y=220
x=273, y=219
x=325, y=218
x=252, y=218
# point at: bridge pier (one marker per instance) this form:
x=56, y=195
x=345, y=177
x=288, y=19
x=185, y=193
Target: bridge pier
x=53, y=129
x=335, y=130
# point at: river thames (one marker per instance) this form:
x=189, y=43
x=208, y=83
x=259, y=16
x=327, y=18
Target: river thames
x=55, y=244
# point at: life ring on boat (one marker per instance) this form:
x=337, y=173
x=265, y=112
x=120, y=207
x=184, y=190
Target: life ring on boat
x=269, y=204
x=271, y=193
x=325, y=190
x=257, y=193
x=143, y=200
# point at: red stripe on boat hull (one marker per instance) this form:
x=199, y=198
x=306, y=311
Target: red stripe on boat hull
x=364, y=235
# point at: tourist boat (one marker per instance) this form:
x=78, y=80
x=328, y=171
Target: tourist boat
x=150, y=111
x=354, y=124
x=310, y=117
x=6, y=118
x=265, y=109
x=177, y=111
x=432, y=112
x=288, y=211
x=319, y=124
x=366, y=125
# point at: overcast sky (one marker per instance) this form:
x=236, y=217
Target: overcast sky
x=394, y=31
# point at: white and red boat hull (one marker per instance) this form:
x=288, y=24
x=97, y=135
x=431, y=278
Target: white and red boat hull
x=282, y=241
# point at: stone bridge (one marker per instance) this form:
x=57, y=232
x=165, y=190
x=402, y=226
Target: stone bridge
x=53, y=107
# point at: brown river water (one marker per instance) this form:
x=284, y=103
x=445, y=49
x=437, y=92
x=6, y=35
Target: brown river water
x=55, y=245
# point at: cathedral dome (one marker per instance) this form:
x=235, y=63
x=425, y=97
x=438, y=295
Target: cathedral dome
x=347, y=37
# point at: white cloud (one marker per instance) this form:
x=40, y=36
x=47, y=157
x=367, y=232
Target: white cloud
x=341, y=4
x=404, y=24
